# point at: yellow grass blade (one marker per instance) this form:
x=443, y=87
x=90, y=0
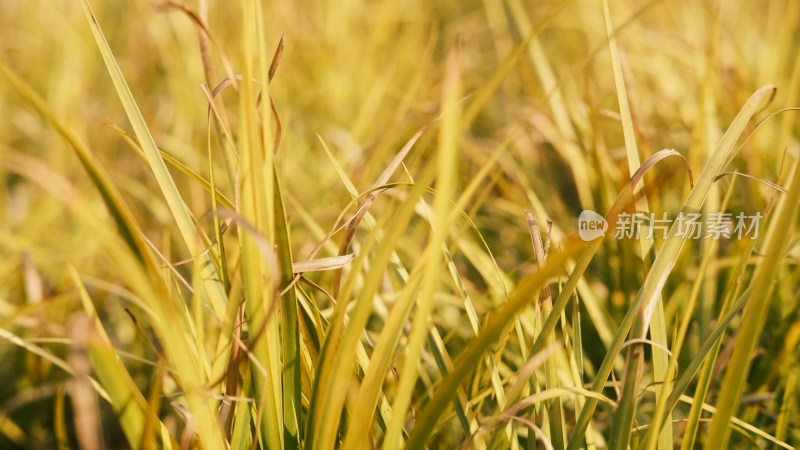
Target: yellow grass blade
x=214, y=292
x=655, y=319
x=665, y=260
x=754, y=314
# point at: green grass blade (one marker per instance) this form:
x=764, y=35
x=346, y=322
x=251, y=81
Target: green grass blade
x=788, y=406
x=240, y=435
x=290, y=332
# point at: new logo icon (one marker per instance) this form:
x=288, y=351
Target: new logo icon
x=591, y=225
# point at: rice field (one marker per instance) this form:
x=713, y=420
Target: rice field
x=486, y=224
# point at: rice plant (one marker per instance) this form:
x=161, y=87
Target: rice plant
x=451, y=224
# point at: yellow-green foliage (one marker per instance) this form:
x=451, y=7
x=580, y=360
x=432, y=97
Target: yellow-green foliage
x=352, y=224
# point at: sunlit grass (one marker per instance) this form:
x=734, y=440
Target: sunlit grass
x=355, y=224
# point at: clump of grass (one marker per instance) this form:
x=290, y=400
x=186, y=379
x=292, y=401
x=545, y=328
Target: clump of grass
x=354, y=225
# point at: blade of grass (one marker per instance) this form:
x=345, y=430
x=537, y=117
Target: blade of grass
x=447, y=163
x=590, y=250
x=665, y=260
x=168, y=317
x=195, y=374
x=627, y=405
x=213, y=289
x=260, y=272
x=111, y=196
x=555, y=409
x=289, y=328
x=500, y=319
x=788, y=406
x=482, y=96
x=279, y=234
x=176, y=163
x=568, y=146
x=130, y=405
x=754, y=315
x=364, y=406
x=60, y=426
x=471, y=355
x=241, y=424
x=649, y=441
x=736, y=422
x=335, y=365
